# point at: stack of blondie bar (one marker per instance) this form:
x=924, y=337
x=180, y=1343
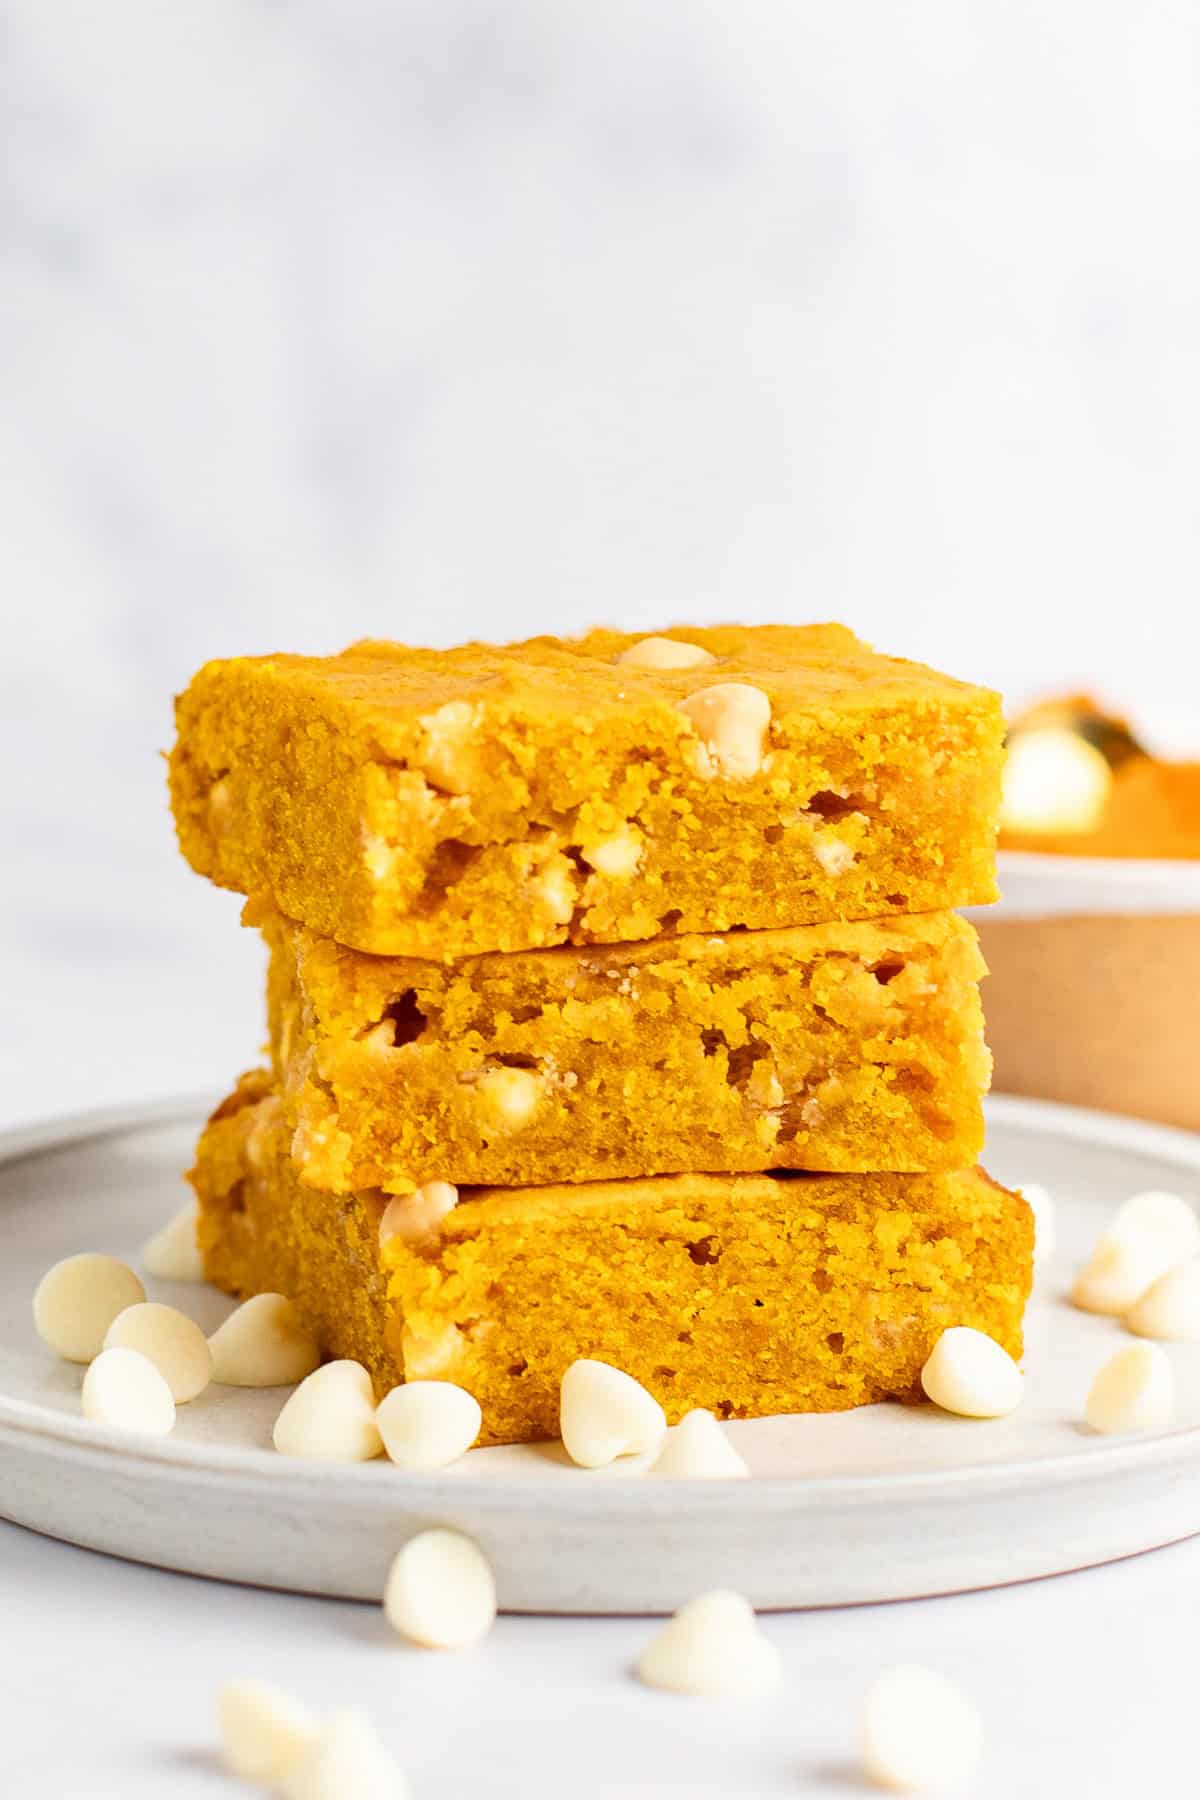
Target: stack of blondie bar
x=617, y=1010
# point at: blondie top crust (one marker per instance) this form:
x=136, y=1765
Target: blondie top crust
x=856, y=1046
x=438, y=803
x=747, y=1294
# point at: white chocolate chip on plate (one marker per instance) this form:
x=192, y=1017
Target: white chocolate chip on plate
x=920, y=1735
x=604, y=1413
x=77, y=1300
x=330, y=1417
x=170, y=1340
x=417, y=1215
x=1170, y=1308
x=263, y=1344
x=440, y=1591
x=665, y=653
x=731, y=720
x=971, y=1374
x=1125, y=1262
x=1168, y=1214
x=712, y=1646
x=698, y=1449
x=123, y=1389
x=1134, y=1391
x=263, y=1730
x=173, y=1254
x=346, y=1761
x=428, y=1424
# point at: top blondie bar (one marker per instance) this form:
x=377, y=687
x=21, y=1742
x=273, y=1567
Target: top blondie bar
x=439, y=803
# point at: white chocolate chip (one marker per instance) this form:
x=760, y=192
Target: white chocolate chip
x=554, y=890
x=712, y=1646
x=698, y=1449
x=440, y=1591
x=173, y=1254
x=920, y=1735
x=834, y=856
x=1134, y=1391
x=78, y=1299
x=448, y=732
x=617, y=856
x=170, y=1340
x=346, y=1761
x=1045, y=1241
x=665, y=653
x=508, y=1097
x=220, y=806
x=1170, y=1308
x=122, y=1388
x=1167, y=1215
x=263, y=1730
x=417, y=1215
x=430, y=1354
x=1125, y=1262
x=604, y=1413
x=330, y=1417
x=263, y=1344
x=732, y=721
x=428, y=1424
x=971, y=1374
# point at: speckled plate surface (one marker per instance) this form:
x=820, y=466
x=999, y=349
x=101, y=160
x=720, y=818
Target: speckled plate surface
x=885, y=1503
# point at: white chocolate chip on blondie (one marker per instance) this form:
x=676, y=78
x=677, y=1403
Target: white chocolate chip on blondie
x=508, y=1098
x=731, y=720
x=417, y=1215
x=617, y=856
x=665, y=653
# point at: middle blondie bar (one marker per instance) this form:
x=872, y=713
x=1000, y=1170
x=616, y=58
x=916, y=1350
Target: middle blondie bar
x=840, y=1047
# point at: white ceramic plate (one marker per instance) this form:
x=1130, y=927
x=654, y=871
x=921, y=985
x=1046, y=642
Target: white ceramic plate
x=885, y=1503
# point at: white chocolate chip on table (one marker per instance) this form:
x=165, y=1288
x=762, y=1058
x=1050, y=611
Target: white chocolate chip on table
x=698, y=1449
x=731, y=721
x=264, y=1731
x=417, y=1215
x=1170, y=1308
x=971, y=1374
x=263, y=1344
x=428, y=1424
x=665, y=653
x=714, y=1647
x=604, y=1413
x=77, y=1300
x=173, y=1254
x=330, y=1417
x=440, y=1591
x=346, y=1761
x=920, y=1735
x=1134, y=1391
x=123, y=1389
x=170, y=1340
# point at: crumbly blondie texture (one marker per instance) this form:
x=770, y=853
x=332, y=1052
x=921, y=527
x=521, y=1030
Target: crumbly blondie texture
x=843, y=1047
x=748, y=1294
x=441, y=803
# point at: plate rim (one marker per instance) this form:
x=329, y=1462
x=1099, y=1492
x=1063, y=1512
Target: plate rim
x=84, y=1442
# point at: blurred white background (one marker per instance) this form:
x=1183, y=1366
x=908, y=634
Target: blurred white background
x=446, y=317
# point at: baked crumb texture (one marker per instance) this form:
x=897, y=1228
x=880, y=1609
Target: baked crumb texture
x=839, y=1047
x=745, y=1294
x=443, y=803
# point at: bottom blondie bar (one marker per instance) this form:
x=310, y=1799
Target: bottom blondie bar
x=746, y=1294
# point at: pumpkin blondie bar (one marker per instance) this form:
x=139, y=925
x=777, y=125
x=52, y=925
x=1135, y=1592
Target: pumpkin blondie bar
x=439, y=803
x=746, y=1294
x=840, y=1047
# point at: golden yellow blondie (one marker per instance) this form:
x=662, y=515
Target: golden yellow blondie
x=438, y=803
x=746, y=1294
x=842, y=1047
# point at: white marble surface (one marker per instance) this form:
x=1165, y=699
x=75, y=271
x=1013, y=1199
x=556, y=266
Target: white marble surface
x=442, y=318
